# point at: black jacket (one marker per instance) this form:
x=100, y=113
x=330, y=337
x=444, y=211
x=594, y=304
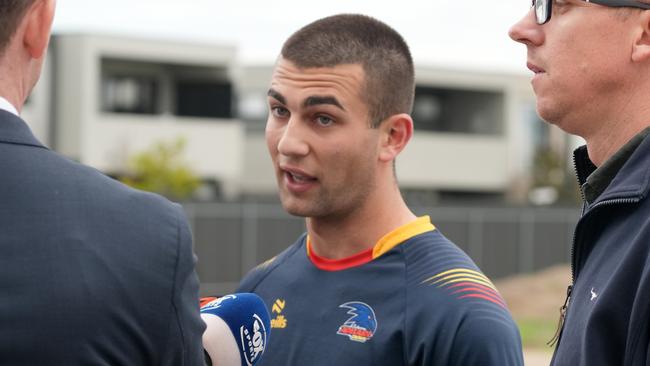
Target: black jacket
x=608, y=317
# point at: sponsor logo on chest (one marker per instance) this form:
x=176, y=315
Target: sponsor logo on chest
x=276, y=310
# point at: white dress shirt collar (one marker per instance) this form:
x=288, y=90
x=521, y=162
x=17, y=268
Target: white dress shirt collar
x=5, y=105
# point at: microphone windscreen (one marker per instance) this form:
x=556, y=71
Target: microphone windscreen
x=237, y=331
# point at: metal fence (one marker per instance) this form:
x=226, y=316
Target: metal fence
x=231, y=238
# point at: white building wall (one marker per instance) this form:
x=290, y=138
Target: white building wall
x=72, y=93
x=258, y=175
x=36, y=112
x=213, y=149
x=453, y=162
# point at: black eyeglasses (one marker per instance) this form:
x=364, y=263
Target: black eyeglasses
x=543, y=7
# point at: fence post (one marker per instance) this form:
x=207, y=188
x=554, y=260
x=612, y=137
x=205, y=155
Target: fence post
x=526, y=242
x=250, y=217
x=475, y=244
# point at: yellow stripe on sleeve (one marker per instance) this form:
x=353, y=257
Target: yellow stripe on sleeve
x=458, y=275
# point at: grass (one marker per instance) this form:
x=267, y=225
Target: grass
x=535, y=333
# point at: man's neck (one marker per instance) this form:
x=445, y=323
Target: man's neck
x=625, y=115
x=341, y=237
x=602, y=146
x=15, y=77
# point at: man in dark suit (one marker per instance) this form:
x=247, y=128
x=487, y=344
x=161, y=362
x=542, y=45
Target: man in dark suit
x=91, y=272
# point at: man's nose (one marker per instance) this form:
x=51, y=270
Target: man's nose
x=527, y=31
x=293, y=140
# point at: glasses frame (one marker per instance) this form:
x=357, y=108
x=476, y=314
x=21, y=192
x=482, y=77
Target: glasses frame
x=544, y=8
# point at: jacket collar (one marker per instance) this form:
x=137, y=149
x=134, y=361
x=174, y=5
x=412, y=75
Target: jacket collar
x=583, y=165
x=13, y=130
x=632, y=181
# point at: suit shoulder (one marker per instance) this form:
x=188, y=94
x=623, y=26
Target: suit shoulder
x=87, y=200
x=99, y=204
x=111, y=194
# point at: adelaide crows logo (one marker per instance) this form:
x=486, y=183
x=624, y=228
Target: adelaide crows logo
x=363, y=323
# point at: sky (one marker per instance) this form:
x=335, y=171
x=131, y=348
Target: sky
x=470, y=34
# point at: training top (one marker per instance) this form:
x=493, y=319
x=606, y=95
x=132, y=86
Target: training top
x=413, y=299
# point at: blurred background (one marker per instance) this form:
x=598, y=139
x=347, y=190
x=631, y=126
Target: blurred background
x=169, y=96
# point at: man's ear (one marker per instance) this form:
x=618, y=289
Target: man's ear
x=37, y=25
x=641, y=46
x=396, y=132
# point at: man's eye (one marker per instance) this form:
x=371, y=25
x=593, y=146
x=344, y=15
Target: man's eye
x=279, y=112
x=324, y=120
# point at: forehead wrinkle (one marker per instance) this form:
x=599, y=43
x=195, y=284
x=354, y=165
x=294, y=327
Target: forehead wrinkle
x=347, y=78
x=316, y=92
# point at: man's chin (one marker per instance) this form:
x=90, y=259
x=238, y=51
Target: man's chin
x=547, y=113
x=560, y=120
x=296, y=213
x=295, y=209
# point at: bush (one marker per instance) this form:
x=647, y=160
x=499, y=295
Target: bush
x=162, y=170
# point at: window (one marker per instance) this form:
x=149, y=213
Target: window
x=130, y=94
x=458, y=111
x=153, y=88
x=203, y=99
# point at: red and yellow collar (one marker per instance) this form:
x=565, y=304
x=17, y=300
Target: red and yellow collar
x=386, y=243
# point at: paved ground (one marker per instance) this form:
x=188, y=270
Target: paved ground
x=537, y=295
x=534, y=300
x=533, y=357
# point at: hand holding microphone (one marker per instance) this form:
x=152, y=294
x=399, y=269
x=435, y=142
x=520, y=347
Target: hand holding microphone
x=237, y=331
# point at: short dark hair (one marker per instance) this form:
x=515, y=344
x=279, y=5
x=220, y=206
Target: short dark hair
x=11, y=13
x=359, y=39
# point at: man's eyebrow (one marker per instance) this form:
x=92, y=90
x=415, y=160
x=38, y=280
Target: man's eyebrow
x=316, y=100
x=309, y=102
x=276, y=95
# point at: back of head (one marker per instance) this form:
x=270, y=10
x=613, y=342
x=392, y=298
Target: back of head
x=359, y=39
x=11, y=12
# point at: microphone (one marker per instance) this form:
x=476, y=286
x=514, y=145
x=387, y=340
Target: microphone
x=237, y=329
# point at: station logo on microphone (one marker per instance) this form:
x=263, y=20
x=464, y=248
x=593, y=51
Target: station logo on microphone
x=362, y=325
x=253, y=340
x=212, y=303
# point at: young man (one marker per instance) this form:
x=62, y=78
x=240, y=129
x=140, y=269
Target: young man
x=592, y=78
x=370, y=283
x=91, y=272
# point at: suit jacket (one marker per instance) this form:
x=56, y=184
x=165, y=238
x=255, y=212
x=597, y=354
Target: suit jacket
x=91, y=271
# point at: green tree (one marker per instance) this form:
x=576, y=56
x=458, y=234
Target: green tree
x=161, y=169
x=551, y=170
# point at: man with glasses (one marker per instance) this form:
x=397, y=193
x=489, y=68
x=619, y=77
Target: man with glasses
x=591, y=61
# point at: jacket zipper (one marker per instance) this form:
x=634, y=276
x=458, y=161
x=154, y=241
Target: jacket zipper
x=560, y=325
x=585, y=213
x=563, y=310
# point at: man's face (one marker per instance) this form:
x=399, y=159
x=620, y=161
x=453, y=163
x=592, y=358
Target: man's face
x=579, y=59
x=324, y=153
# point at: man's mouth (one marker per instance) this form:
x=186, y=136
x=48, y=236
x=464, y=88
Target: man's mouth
x=299, y=178
x=534, y=68
x=296, y=175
